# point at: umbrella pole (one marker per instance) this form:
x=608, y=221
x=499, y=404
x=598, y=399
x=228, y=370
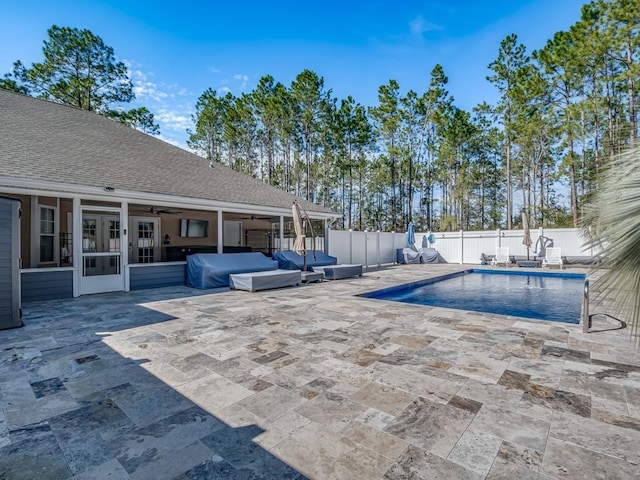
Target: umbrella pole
x=304, y=229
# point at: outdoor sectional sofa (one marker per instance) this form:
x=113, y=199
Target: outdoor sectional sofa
x=290, y=260
x=212, y=270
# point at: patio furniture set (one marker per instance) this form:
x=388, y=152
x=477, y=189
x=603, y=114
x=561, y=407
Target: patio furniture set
x=552, y=257
x=253, y=271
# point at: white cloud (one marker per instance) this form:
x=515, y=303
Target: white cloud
x=214, y=70
x=174, y=120
x=244, y=80
x=224, y=89
x=418, y=26
x=144, y=90
x=171, y=104
x=171, y=141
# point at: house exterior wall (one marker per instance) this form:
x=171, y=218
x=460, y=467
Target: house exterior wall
x=170, y=224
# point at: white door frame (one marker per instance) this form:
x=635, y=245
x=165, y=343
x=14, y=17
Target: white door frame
x=102, y=283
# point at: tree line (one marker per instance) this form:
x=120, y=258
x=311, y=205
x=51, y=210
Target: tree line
x=564, y=112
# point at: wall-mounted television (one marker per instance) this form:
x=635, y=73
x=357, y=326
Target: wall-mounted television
x=194, y=228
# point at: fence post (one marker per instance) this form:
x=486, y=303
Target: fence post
x=366, y=261
x=350, y=245
x=461, y=247
x=499, y=239
x=393, y=246
x=378, y=246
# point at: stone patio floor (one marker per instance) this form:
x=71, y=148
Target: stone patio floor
x=311, y=382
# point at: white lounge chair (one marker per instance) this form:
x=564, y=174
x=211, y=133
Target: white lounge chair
x=502, y=256
x=552, y=257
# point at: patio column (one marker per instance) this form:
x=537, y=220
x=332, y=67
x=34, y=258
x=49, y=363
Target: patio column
x=326, y=236
x=76, y=245
x=124, y=248
x=35, y=228
x=220, y=231
x=281, y=232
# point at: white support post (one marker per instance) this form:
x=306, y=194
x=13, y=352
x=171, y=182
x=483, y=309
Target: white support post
x=326, y=237
x=220, y=231
x=498, y=239
x=281, y=232
x=378, y=246
x=35, y=228
x=77, y=245
x=461, y=247
x=124, y=243
x=56, y=231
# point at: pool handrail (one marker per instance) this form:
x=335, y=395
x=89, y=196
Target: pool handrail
x=586, y=319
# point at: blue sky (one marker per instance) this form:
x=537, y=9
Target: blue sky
x=177, y=50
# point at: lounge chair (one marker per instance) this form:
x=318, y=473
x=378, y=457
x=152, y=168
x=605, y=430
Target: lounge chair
x=552, y=257
x=502, y=256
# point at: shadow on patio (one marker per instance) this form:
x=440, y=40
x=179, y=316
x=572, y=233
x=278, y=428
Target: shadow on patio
x=72, y=404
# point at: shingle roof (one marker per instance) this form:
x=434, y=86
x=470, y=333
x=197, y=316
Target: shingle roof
x=45, y=141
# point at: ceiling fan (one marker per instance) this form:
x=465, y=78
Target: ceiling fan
x=252, y=217
x=158, y=211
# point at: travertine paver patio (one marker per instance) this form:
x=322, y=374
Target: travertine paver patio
x=311, y=382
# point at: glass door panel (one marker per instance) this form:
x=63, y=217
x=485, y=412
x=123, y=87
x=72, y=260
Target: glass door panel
x=101, y=255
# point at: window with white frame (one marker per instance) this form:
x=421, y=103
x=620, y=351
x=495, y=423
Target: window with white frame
x=47, y=234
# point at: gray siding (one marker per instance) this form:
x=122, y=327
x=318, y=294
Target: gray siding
x=6, y=257
x=37, y=286
x=9, y=254
x=157, y=276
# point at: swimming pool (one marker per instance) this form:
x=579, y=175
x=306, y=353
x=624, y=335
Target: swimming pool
x=539, y=295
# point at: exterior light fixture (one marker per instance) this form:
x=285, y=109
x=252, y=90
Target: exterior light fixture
x=109, y=189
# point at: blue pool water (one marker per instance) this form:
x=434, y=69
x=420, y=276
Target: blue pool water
x=539, y=295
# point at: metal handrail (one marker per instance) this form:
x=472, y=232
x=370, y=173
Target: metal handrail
x=586, y=319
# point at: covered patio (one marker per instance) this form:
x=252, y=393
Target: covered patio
x=311, y=382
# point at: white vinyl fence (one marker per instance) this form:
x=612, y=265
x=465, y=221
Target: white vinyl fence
x=379, y=248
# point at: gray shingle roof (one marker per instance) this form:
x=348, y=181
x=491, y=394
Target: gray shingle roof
x=45, y=141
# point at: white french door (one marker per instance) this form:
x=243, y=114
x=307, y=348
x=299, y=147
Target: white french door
x=144, y=235
x=101, y=251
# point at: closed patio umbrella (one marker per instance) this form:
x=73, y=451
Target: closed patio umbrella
x=300, y=243
x=411, y=234
x=526, y=238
